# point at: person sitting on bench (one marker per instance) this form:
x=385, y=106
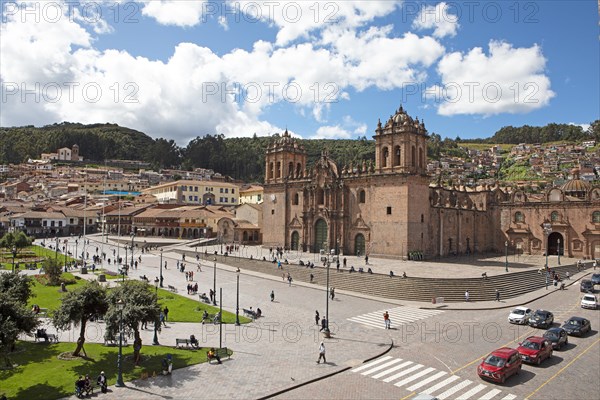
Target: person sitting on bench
x=391, y=274
x=194, y=341
x=484, y=275
x=258, y=313
x=204, y=298
x=301, y=262
x=370, y=271
x=361, y=270
x=213, y=354
x=352, y=269
x=404, y=275
x=204, y=316
x=41, y=333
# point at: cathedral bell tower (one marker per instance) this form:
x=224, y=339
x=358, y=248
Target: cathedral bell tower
x=401, y=145
x=285, y=159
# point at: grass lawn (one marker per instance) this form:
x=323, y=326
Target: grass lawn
x=28, y=255
x=50, y=296
x=40, y=375
x=183, y=309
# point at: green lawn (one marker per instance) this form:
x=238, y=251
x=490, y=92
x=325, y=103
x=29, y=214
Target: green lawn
x=28, y=255
x=40, y=375
x=50, y=296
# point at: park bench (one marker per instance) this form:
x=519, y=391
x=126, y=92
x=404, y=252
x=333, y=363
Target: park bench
x=43, y=313
x=112, y=341
x=250, y=313
x=188, y=343
x=222, y=352
x=144, y=278
x=172, y=288
x=49, y=337
x=211, y=318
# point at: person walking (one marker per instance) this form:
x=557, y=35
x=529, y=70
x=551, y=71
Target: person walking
x=322, y=353
x=497, y=295
x=166, y=311
x=289, y=278
x=312, y=277
x=386, y=320
x=467, y=296
x=162, y=318
x=317, y=317
x=332, y=293
x=272, y=295
x=323, y=324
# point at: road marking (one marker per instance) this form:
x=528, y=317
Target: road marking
x=563, y=368
x=441, y=384
x=398, y=316
x=489, y=395
x=454, y=389
x=389, y=371
x=414, y=377
x=402, y=373
x=370, y=364
x=427, y=380
x=381, y=366
x=509, y=397
x=472, y=392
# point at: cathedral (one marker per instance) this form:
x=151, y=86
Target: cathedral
x=389, y=208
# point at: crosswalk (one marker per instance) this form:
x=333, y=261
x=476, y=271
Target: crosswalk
x=398, y=316
x=417, y=377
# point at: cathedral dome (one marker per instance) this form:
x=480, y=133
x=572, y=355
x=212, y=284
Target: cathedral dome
x=576, y=187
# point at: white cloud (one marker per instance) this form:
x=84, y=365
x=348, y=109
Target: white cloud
x=438, y=17
x=223, y=22
x=508, y=80
x=585, y=127
x=332, y=132
x=175, y=12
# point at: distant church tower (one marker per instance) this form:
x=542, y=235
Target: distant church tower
x=401, y=145
x=75, y=153
x=285, y=159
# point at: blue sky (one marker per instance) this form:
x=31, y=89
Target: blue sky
x=180, y=69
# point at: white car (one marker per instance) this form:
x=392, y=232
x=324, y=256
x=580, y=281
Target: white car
x=589, y=301
x=519, y=315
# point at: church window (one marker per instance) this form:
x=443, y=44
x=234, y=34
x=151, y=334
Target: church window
x=519, y=217
x=413, y=156
x=320, y=196
x=422, y=218
x=278, y=172
x=554, y=216
x=397, y=156
x=386, y=154
x=389, y=211
x=596, y=217
x=296, y=199
x=361, y=197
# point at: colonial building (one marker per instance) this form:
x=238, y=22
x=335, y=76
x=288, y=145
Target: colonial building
x=389, y=207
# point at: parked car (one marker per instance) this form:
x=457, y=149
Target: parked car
x=500, y=365
x=577, y=326
x=519, y=315
x=595, y=279
x=541, y=319
x=589, y=301
x=558, y=337
x=535, y=349
x=586, y=286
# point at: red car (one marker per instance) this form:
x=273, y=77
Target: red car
x=500, y=364
x=535, y=349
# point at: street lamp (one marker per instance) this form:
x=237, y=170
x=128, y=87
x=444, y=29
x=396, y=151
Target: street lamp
x=76, y=255
x=120, y=306
x=327, y=254
x=161, y=266
x=237, y=301
x=547, y=229
x=132, y=236
x=14, y=253
x=558, y=245
x=215, y=281
x=155, y=339
x=506, y=254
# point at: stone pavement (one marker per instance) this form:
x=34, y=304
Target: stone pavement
x=279, y=350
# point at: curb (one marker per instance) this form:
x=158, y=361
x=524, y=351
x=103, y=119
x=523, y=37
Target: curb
x=485, y=308
x=323, y=377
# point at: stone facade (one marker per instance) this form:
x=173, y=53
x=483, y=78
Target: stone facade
x=389, y=208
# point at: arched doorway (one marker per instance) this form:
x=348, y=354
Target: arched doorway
x=359, y=244
x=320, y=235
x=295, y=240
x=553, y=244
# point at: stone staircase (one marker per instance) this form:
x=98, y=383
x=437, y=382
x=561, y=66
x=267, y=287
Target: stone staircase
x=510, y=285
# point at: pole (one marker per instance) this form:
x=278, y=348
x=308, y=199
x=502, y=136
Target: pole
x=14, y=251
x=56, y=255
x=132, y=237
x=327, y=301
x=506, y=255
x=220, y=317
x=120, y=356
x=155, y=339
x=76, y=255
x=215, y=282
x=558, y=243
x=161, y=266
x=237, y=302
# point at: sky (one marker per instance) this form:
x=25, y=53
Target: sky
x=321, y=69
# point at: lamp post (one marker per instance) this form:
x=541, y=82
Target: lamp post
x=14, y=253
x=220, y=317
x=66, y=249
x=155, y=339
x=237, y=301
x=558, y=244
x=161, y=266
x=120, y=306
x=215, y=281
x=326, y=248
x=132, y=237
x=506, y=256
x=76, y=242
x=56, y=254
x=547, y=229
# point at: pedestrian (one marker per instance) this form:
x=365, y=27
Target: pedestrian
x=337, y=266
x=323, y=324
x=386, y=320
x=567, y=276
x=317, y=317
x=497, y=295
x=595, y=264
x=366, y=260
x=467, y=296
x=312, y=277
x=162, y=318
x=321, y=353
x=283, y=277
x=290, y=279
x=344, y=262
x=272, y=295
x=332, y=293
x=166, y=311
x=165, y=265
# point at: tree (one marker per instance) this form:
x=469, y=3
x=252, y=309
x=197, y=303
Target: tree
x=16, y=239
x=140, y=306
x=80, y=306
x=15, y=318
x=53, y=271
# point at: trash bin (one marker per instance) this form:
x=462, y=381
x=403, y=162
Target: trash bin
x=101, y=278
x=83, y=270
